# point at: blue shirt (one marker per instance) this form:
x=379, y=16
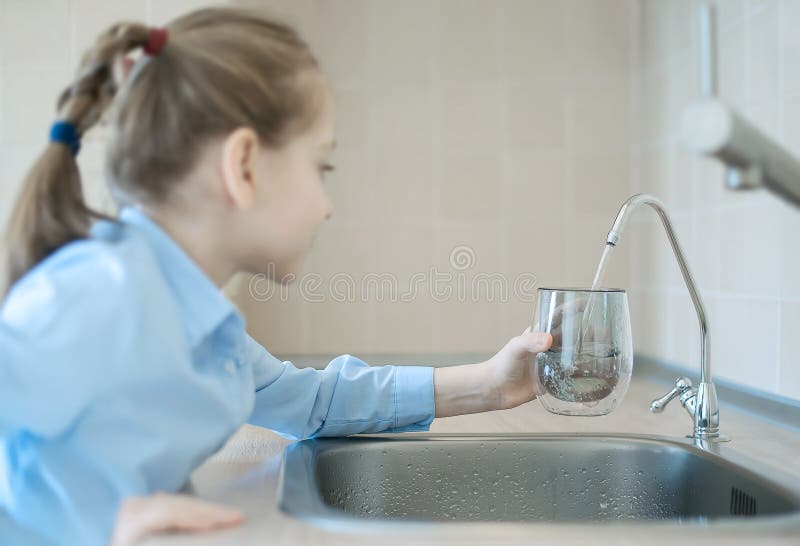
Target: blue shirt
x=123, y=367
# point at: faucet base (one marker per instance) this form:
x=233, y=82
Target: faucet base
x=718, y=439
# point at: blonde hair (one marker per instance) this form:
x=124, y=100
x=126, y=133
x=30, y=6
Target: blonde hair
x=221, y=68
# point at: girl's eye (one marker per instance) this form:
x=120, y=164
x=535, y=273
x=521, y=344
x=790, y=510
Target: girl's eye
x=326, y=168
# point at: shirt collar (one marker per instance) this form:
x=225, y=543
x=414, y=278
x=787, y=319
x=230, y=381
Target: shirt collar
x=202, y=305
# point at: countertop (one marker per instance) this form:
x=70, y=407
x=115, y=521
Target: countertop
x=245, y=474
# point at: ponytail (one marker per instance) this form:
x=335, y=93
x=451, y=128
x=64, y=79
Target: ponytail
x=221, y=68
x=50, y=210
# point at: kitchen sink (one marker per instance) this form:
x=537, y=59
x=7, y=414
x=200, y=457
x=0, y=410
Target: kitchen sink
x=557, y=478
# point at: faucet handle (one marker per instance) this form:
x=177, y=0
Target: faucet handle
x=682, y=386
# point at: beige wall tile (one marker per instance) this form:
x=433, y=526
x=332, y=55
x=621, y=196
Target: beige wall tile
x=665, y=28
x=790, y=130
x=344, y=247
x=406, y=249
x=276, y=316
x=732, y=66
x=29, y=101
x=708, y=184
x=745, y=343
x=535, y=253
x=468, y=40
x=518, y=315
x=790, y=251
x=402, y=38
x=705, y=258
x=653, y=117
x=599, y=184
x=789, y=373
x=645, y=241
x=684, y=343
x=534, y=186
x=599, y=116
x=405, y=186
x=535, y=116
x=353, y=117
x=598, y=37
x=407, y=327
x=338, y=35
x=16, y=161
x=730, y=12
x=341, y=328
x=789, y=44
x=750, y=258
x=652, y=324
x=32, y=33
x=473, y=326
x=470, y=118
x=533, y=40
x=763, y=55
x=469, y=187
x=469, y=246
x=404, y=119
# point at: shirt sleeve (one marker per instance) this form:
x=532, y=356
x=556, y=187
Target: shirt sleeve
x=18, y=379
x=46, y=378
x=347, y=397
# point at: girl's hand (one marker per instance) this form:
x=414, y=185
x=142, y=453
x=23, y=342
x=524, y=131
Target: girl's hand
x=504, y=381
x=140, y=517
x=512, y=371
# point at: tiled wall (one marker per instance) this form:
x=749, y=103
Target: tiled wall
x=498, y=126
x=742, y=247
x=513, y=128
x=501, y=126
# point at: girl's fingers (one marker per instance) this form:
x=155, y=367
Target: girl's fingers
x=570, y=307
x=540, y=341
x=181, y=513
x=533, y=341
x=140, y=517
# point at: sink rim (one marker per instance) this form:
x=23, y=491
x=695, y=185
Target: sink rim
x=296, y=478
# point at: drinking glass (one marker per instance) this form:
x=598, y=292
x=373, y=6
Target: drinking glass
x=588, y=367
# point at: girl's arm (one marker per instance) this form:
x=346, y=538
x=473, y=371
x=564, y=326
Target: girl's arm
x=347, y=397
x=350, y=397
x=25, y=385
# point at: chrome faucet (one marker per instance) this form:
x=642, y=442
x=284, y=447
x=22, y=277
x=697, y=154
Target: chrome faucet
x=700, y=403
x=752, y=158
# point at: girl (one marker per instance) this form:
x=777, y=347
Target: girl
x=138, y=368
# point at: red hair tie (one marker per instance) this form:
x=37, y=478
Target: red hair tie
x=155, y=41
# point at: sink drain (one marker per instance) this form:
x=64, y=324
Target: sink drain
x=742, y=504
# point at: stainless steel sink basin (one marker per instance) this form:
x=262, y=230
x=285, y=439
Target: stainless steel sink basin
x=533, y=478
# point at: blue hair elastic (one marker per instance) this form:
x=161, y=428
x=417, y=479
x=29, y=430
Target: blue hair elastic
x=66, y=133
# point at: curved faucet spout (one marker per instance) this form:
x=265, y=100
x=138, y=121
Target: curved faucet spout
x=702, y=403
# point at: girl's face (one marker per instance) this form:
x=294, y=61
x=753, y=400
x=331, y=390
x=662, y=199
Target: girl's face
x=290, y=201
